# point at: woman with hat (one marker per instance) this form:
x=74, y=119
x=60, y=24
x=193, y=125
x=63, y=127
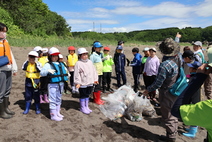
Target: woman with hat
x=166, y=77
x=57, y=74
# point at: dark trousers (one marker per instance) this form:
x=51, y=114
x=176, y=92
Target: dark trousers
x=106, y=80
x=5, y=84
x=85, y=92
x=32, y=93
x=136, y=81
x=71, y=78
x=43, y=85
x=148, y=80
x=98, y=86
x=119, y=75
x=186, y=95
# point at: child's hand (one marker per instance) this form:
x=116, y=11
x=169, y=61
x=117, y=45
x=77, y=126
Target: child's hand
x=96, y=82
x=78, y=86
x=178, y=35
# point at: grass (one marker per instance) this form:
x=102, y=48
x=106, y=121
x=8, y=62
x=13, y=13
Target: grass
x=54, y=41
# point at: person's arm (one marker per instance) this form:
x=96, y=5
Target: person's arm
x=177, y=38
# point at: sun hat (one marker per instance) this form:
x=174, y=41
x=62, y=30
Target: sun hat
x=97, y=45
x=146, y=49
x=71, y=48
x=169, y=47
x=153, y=49
x=45, y=50
x=198, y=43
x=60, y=56
x=54, y=51
x=119, y=47
x=38, y=48
x=82, y=50
x=210, y=57
x=33, y=53
x=107, y=48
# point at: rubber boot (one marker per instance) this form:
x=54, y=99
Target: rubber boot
x=192, y=132
x=86, y=104
x=41, y=99
x=83, y=107
x=97, y=98
x=7, y=110
x=37, y=108
x=3, y=114
x=46, y=98
x=53, y=114
x=58, y=111
x=28, y=104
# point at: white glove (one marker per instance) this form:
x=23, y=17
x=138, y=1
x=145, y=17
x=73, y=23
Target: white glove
x=51, y=71
x=105, y=58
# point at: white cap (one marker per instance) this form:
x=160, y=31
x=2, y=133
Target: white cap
x=60, y=56
x=33, y=53
x=82, y=50
x=45, y=50
x=153, y=49
x=146, y=49
x=37, y=48
x=198, y=43
x=54, y=51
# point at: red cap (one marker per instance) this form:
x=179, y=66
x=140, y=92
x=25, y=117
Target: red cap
x=107, y=48
x=71, y=48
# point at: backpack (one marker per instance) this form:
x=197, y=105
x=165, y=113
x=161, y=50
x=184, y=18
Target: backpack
x=180, y=84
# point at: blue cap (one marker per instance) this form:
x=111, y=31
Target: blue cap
x=119, y=47
x=97, y=45
x=194, y=64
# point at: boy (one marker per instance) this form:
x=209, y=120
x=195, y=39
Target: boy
x=120, y=62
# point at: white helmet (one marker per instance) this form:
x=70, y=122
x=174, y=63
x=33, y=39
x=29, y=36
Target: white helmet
x=54, y=51
x=37, y=48
x=33, y=53
x=82, y=50
x=60, y=56
x=45, y=50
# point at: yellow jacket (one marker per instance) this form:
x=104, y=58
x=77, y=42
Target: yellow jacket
x=72, y=59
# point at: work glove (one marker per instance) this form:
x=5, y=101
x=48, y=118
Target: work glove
x=51, y=71
x=105, y=58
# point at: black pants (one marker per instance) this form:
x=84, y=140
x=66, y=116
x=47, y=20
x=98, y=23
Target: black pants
x=136, y=78
x=43, y=85
x=106, y=80
x=71, y=78
x=119, y=75
x=148, y=80
x=98, y=86
x=85, y=92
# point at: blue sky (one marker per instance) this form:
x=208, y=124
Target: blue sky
x=130, y=15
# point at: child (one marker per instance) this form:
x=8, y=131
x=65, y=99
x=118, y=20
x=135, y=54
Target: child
x=72, y=58
x=66, y=88
x=32, y=80
x=43, y=59
x=120, y=62
x=57, y=74
x=96, y=58
x=150, y=72
x=107, y=70
x=189, y=58
x=85, y=77
x=136, y=70
x=146, y=55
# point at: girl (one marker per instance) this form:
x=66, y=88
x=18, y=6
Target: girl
x=85, y=77
x=6, y=72
x=32, y=81
x=57, y=74
x=72, y=58
x=96, y=58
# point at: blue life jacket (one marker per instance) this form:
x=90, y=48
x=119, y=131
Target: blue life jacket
x=60, y=74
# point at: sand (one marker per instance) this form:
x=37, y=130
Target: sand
x=76, y=126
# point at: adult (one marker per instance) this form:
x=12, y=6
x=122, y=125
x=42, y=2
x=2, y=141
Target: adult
x=166, y=77
x=197, y=47
x=6, y=72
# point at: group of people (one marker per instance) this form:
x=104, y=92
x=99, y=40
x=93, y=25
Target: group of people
x=47, y=77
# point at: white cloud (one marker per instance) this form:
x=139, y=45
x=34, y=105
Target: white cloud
x=204, y=9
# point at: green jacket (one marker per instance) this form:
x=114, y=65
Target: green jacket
x=107, y=63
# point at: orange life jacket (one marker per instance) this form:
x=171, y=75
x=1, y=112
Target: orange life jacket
x=5, y=50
